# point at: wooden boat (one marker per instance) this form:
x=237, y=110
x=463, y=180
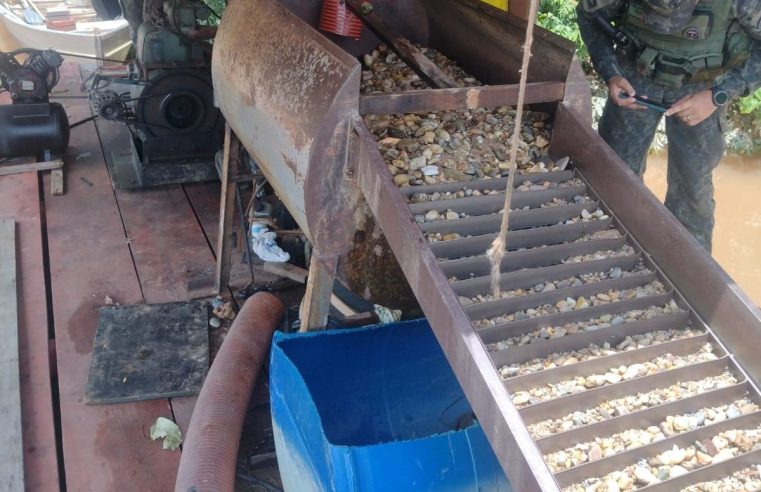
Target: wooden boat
x=83, y=39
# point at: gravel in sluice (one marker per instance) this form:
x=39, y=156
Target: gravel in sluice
x=574, y=304
x=630, y=404
x=613, y=375
x=593, y=351
x=592, y=324
x=468, y=192
x=383, y=71
x=675, y=462
x=619, y=442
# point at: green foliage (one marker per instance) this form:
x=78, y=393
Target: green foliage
x=218, y=6
x=751, y=104
x=559, y=16
x=744, y=117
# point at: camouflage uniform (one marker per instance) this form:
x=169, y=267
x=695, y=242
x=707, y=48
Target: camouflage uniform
x=693, y=151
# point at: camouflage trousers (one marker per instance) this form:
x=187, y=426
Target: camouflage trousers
x=693, y=153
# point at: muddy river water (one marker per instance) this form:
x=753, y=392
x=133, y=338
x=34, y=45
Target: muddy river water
x=737, y=236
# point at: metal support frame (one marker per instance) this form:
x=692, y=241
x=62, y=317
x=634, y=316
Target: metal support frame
x=230, y=160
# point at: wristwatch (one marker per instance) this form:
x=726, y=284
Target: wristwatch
x=719, y=96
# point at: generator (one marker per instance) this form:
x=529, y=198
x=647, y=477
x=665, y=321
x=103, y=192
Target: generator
x=168, y=105
x=31, y=125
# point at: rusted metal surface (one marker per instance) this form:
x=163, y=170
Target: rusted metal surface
x=577, y=92
x=288, y=97
x=285, y=96
x=409, y=19
x=487, y=42
x=407, y=51
x=707, y=287
x=459, y=98
x=371, y=269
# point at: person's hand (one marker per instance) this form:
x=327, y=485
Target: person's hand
x=618, y=85
x=694, y=108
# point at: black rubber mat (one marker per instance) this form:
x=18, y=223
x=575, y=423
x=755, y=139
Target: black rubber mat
x=144, y=351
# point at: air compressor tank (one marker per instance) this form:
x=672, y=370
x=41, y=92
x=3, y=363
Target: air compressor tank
x=31, y=129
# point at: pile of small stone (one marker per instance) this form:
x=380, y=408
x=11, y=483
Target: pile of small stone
x=575, y=281
x=468, y=192
x=570, y=304
x=561, y=202
x=604, y=321
x=458, y=145
x=745, y=480
x=630, y=404
x=384, y=71
x=614, y=375
x=602, y=447
x=625, y=250
x=435, y=237
x=585, y=216
x=676, y=461
x=593, y=351
x=449, y=214
x=436, y=216
x=546, y=185
x=599, y=235
x=452, y=195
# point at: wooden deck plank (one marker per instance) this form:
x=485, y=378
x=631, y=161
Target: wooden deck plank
x=19, y=199
x=6, y=168
x=168, y=245
x=12, y=452
x=105, y=447
x=205, y=200
x=204, y=197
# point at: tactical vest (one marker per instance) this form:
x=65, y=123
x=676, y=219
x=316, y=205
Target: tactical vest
x=710, y=44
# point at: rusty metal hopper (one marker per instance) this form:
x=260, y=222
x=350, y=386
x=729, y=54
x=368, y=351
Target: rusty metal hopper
x=289, y=92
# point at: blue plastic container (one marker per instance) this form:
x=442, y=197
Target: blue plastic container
x=375, y=409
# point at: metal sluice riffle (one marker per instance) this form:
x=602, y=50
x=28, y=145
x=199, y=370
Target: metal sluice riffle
x=616, y=379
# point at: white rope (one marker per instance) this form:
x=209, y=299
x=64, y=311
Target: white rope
x=498, y=246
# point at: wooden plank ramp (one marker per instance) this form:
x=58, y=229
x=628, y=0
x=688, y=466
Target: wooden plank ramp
x=12, y=451
x=19, y=199
x=105, y=448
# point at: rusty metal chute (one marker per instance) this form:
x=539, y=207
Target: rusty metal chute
x=290, y=91
x=292, y=96
x=288, y=94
